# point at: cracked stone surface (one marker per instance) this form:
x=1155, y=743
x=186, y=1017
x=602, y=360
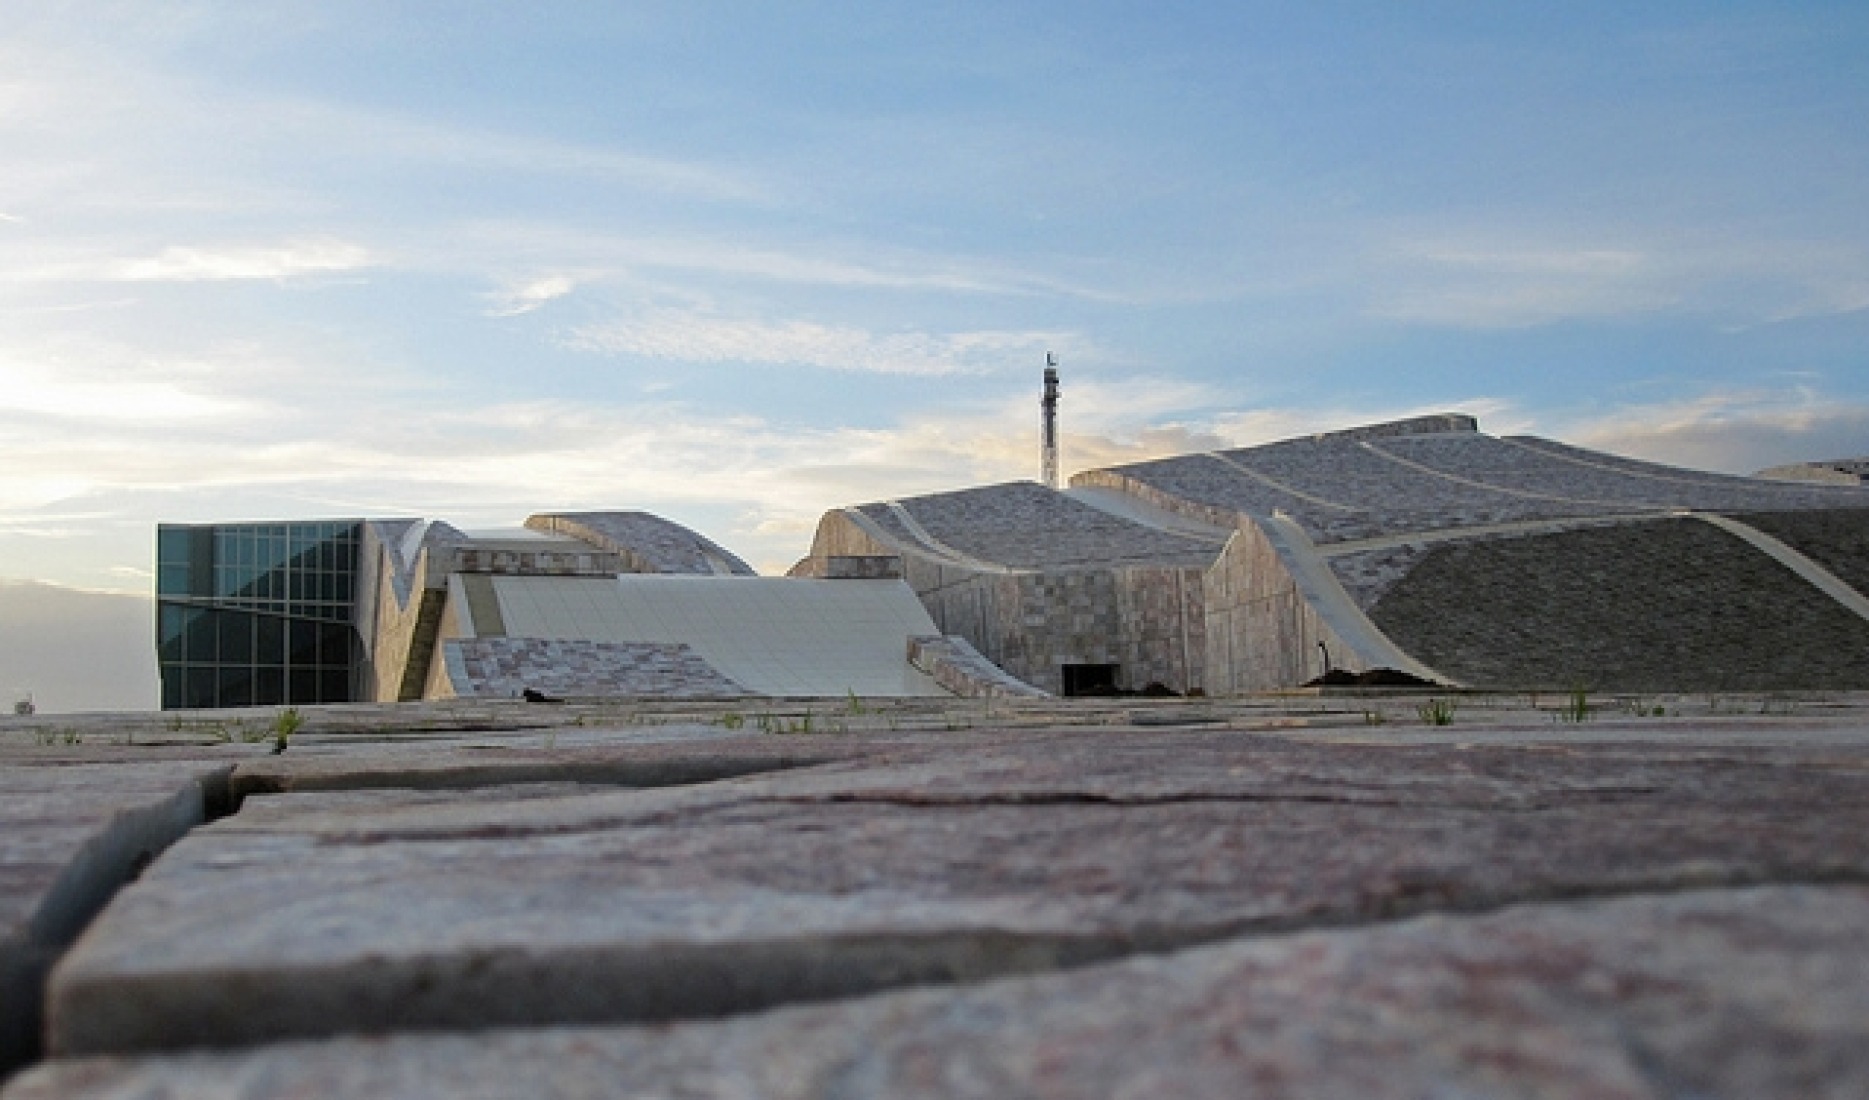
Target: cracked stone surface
x=1747, y=994
x=68, y=834
x=309, y=913
x=1111, y=900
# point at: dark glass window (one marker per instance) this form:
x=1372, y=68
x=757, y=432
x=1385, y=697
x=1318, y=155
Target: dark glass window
x=236, y=638
x=269, y=640
x=255, y=613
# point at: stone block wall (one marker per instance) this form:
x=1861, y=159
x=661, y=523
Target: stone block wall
x=551, y=563
x=960, y=668
x=1031, y=623
x=1262, y=634
x=846, y=567
x=1162, y=626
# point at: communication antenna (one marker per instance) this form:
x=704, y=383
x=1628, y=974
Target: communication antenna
x=1048, y=451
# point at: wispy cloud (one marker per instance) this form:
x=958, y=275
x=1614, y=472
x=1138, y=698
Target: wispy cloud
x=697, y=337
x=1497, y=283
x=513, y=300
x=1520, y=277
x=1736, y=431
x=274, y=263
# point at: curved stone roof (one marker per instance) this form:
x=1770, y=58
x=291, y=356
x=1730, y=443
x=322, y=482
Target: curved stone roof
x=1375, y=483
x=648, y=543
x=1023, y=525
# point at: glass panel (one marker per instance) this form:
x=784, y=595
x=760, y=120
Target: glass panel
x=236, y=638
x=201, y=686
x=269, y=641
x=304, y=643
x=334, y=685
x=269, y=686
x=172, y=546
x=236, y=685
x=172, y=633
x=202, y=645
x=304, y=683
x=334, y=644
x=172, y=580
x=174, y=687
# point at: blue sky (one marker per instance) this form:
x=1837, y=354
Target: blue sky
x=740, y=263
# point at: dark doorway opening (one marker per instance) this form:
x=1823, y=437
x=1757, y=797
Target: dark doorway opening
x=1090, y=679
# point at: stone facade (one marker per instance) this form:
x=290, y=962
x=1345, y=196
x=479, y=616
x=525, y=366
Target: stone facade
x=959, y=667
x=850, y=567
x=1262, y=631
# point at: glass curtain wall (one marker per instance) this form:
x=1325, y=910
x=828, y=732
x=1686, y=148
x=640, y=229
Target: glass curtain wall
x=256, y=613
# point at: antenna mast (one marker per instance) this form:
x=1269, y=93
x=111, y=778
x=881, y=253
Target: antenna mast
x=1048, y=454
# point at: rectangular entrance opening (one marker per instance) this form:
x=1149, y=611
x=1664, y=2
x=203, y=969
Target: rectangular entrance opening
x=1090, y=679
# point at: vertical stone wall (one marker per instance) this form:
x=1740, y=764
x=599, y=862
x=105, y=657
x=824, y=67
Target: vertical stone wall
x=1162, y=626
x=1262, y=634
x=1147, y=620
x=960, y=668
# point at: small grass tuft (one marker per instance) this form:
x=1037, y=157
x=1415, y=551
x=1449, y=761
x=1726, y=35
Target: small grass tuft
x=1437, y=712
x=1576, y=706
x=289, y=722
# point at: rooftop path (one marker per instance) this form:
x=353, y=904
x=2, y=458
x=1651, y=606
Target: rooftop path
x=1023, y=525
x=1091, y=898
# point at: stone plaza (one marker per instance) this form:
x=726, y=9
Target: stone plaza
x=1316, y=895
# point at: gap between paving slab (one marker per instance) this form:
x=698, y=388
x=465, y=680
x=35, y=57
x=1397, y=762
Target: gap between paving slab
x=1727, y=993
x=434, y=772
x=103, y=864
x=649, y=948
x=136, y=836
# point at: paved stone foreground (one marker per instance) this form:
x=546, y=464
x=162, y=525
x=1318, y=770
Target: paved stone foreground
x=1753, y=993
x=1623, y=909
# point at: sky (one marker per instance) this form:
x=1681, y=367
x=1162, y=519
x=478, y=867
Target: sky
x=738, y=263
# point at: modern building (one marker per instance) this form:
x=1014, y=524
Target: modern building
x=1421, y=547
x=250, y=613
x=570, y=605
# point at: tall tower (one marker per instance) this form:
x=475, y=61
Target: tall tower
x=1048, y=459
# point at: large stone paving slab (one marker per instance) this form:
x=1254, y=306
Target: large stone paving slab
x=308, y=914
x=69, y=836
x=1725, y=995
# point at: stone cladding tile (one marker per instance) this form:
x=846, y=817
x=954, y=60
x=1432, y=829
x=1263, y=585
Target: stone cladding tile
x=960, y=668
x=646, y=542
x=1667, y=605
x=506, y=667
x=1501, y=463
x=1357, y=493
x=1023, y=525
x=1838, y=540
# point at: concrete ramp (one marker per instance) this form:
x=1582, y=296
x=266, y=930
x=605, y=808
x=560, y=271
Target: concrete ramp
x=774, y=635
